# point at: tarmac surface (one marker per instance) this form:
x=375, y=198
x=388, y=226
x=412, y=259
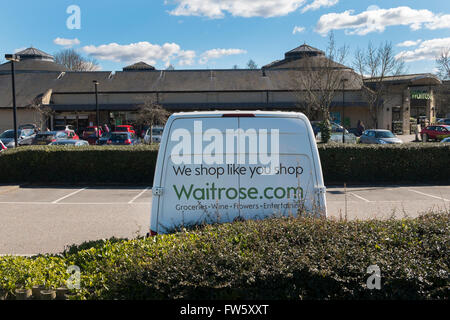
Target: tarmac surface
x=37, y=220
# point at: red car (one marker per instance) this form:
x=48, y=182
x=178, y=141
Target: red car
x=125, y=128
x=435, y=132
x=90, y=134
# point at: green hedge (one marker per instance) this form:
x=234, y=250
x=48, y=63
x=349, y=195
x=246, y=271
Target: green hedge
x=280, y=258
x=407, y=163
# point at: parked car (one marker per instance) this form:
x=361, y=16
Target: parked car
x=91, y=132
x=125, y=128
x=123, y=138
x=445, y=140
x=47, y=137
x=379, y=136
x=69, y=142
x=435, y=132
x=103, y=139
x=445, y=121
x=156, y=134
x=28, y=126
x=24, y=137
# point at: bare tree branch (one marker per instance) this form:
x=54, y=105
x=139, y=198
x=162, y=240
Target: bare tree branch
x=443, y=64
x=73, y=61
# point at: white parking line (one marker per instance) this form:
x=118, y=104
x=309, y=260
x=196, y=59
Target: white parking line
x=359, y=197
x=140, y=194
x=429, y=195
x=69, y=195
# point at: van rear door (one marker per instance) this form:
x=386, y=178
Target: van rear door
x=193, y=192
x=285, y=179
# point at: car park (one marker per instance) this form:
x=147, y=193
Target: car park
x=445, y=140
x=47, y=137
x=24, y=137
x=63, y=127
x=435, y=132
x=123, y=138
x=379, y=136
x=201, y=170
x=69, y=142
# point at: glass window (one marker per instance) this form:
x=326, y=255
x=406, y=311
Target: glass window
x=384, y=134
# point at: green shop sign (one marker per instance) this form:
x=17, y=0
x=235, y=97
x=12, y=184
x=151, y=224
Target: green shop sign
x=420, y=95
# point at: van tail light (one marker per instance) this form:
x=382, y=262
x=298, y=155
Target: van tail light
x=238, y=115
x=128, y=141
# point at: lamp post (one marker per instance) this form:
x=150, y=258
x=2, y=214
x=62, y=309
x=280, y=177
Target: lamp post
x=344, y=80
x=96, y=106
x=13, y=58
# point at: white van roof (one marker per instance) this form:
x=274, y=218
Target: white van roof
x=215, y=113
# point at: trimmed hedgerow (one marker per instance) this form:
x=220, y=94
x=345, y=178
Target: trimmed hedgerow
x=407, y=163
x=280, y=258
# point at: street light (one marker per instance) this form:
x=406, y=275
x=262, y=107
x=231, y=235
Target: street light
x=96, y=106
x=13, y=58
x=344, y=80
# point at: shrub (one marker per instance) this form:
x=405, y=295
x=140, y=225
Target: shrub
x=407, y=163
x=282, y=258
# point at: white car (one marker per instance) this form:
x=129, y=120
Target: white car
x=156, y=134
x=222, y=166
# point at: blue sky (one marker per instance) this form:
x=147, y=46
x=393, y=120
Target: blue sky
x=199, y=34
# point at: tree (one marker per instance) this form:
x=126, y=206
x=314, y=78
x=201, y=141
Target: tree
x=376, y=64
x=42, y=110
x=73, y=61
x=317, y=80
x=443, y=64
x=151, y=113
x=235, y=67
x=252, y=64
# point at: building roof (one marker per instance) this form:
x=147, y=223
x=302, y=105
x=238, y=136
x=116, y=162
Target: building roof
x=304, y=48
x=33, y=53
x=139, y=66
x=33, y=60
x=411, y=79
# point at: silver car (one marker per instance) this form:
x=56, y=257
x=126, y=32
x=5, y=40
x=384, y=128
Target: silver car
x=70, y=142
x=379, y=136
x=24, y=137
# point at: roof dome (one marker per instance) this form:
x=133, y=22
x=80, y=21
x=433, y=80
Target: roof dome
x=303, y=51
x=36, y=54
x=139, y=66
x=33, y=60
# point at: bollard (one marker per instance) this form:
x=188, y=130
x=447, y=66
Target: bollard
x=36, y=290
x=23, y=294
x=48, y=294
x=61, y=293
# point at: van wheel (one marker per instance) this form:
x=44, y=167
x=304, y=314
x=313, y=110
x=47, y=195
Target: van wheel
x=424, y=137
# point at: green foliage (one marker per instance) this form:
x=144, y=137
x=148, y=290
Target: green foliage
x=325, y=131
x=350, y=163
x=92, y=164
x=282, y=258
x=405, y=163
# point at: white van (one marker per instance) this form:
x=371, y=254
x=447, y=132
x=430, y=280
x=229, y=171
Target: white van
x=220, y=166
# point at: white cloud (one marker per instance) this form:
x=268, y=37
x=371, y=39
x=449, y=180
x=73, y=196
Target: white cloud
x=376, y=19
x=141, y=51
x=409, y=43
x=316, y=4
x=298, y=29
x=428, y=50
x=66, y=43
x=216, y=9
x=218, y=53
x=153, y=53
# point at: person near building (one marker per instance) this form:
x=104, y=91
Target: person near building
x=361, y=127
